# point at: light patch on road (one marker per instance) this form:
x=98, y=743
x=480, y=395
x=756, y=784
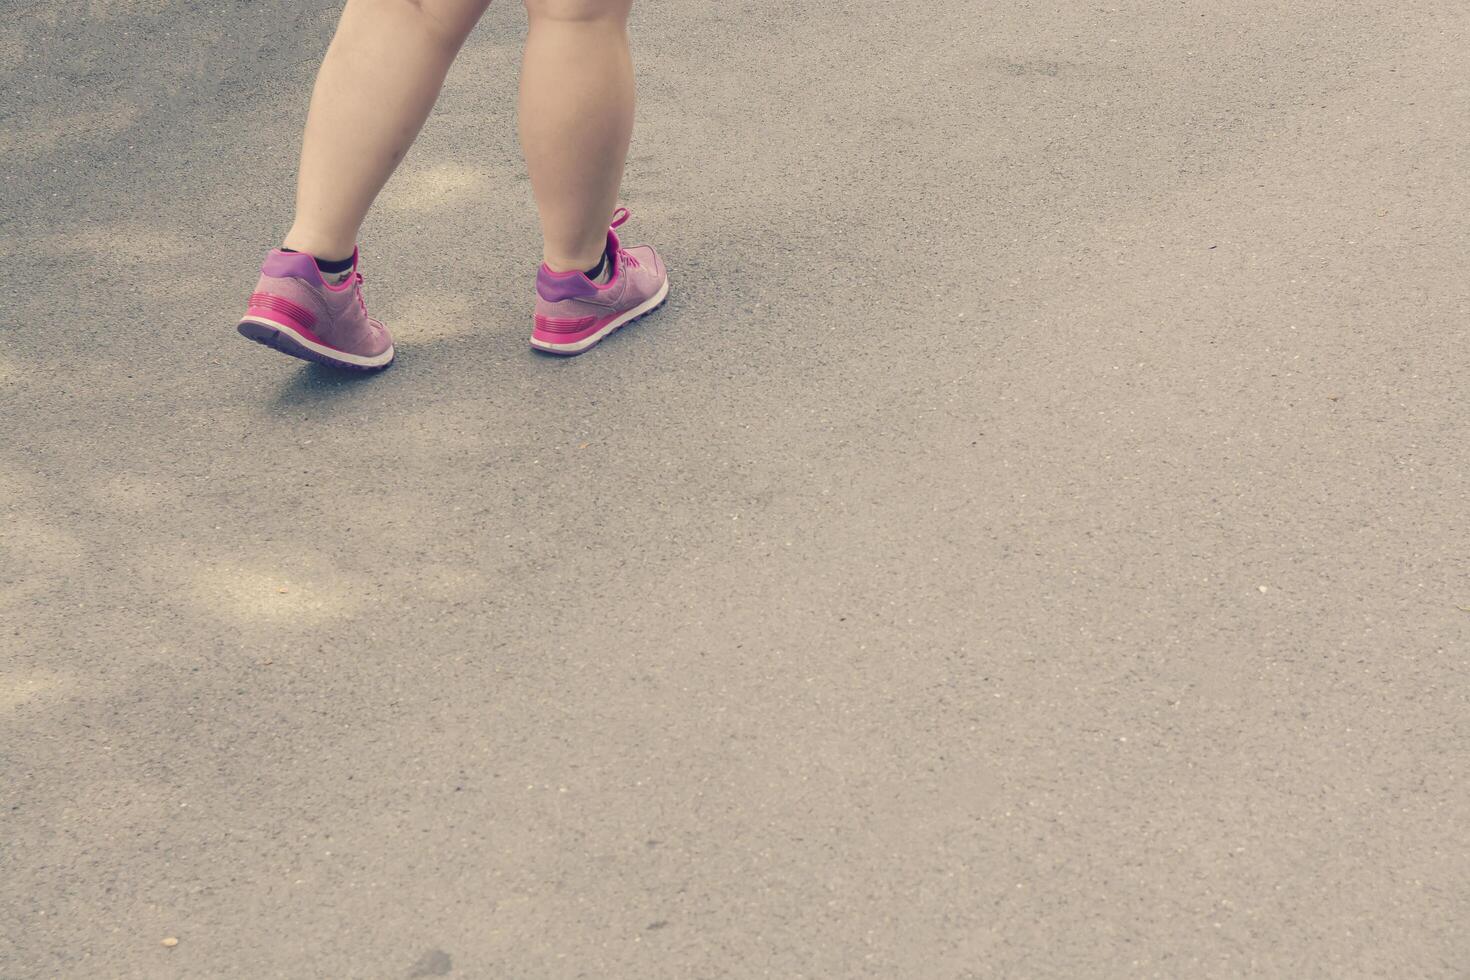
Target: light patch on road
x=116, y=245
x=38, y=136
x=39, y=557
x=436, y=315
x=18, y=689
x=119, y=9
x=435, y=187
x=132, y=493
x=255, y=594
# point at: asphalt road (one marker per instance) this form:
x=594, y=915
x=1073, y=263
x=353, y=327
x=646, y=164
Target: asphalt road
x=1031, y=543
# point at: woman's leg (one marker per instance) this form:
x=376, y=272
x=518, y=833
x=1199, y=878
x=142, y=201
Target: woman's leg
x=377, y=84
x=576, y=120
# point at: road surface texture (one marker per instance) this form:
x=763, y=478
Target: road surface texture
x=1032, y=542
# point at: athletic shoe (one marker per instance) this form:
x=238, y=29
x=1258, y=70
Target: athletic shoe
x=573, y=313
x=296, y=311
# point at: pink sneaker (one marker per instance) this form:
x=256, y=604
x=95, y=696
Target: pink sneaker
x=294, y=310
x=573, y=313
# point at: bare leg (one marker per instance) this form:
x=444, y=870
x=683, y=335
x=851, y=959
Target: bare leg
x=376, y=86
x=576, y=118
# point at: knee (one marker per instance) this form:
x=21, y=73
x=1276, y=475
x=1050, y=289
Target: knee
x=579, y=10
x=453, y=19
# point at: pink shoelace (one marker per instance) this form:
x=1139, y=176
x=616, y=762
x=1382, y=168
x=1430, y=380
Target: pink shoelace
x=619, y=216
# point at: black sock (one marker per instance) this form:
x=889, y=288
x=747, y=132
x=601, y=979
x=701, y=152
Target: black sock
x=330, y=267
x=597, y=270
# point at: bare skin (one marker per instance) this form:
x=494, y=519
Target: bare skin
x=383, y=73
x=576, y=120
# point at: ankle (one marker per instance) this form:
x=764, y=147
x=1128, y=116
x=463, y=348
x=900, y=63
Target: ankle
x=320, y=247
x=563, y=263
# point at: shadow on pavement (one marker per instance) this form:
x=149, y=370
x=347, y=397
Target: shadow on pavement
x=317, y=384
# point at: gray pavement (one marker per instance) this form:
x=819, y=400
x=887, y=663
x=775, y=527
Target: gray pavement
x=1031, y=543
